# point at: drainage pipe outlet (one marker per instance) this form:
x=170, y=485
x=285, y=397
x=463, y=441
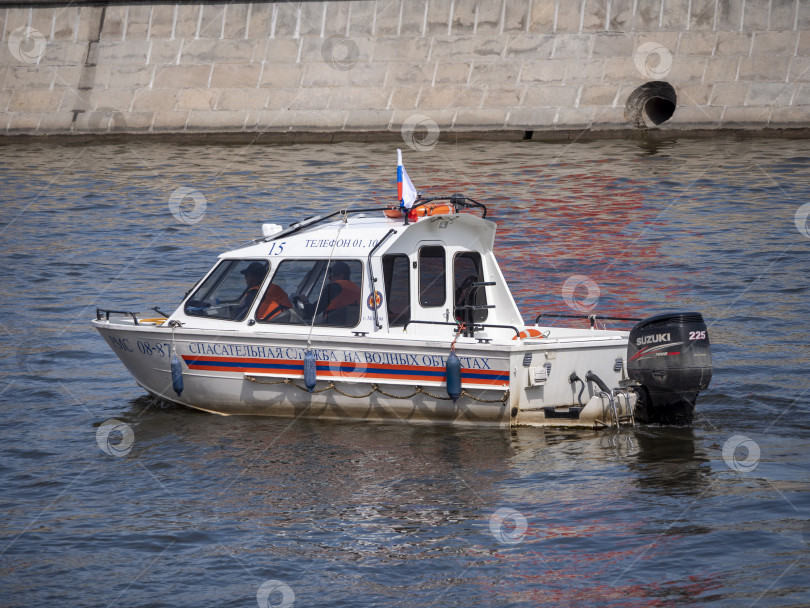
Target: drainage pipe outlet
x=650, y=105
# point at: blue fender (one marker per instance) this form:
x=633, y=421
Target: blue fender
x=310, y=374
x=177, y=374
x=453, y=371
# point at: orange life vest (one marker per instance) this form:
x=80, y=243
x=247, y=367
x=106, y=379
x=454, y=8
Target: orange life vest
x=250, y=295
x=349, y=295
x=246, y=302
x=275, y=300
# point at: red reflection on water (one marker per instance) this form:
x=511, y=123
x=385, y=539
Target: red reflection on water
x=590, y=224
x=559, y=587
x=554, y=225
x=565, y=574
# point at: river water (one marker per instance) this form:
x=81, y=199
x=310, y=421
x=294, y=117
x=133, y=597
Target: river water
x=203, y=510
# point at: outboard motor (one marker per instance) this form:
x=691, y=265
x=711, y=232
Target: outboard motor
x=670, y=356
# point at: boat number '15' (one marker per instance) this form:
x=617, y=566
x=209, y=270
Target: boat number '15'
x=697, y=335
x=277, y=250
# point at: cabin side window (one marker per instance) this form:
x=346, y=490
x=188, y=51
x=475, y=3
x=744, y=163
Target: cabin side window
x=467, y=271
x=298, y=294
x=432, y=276
x=229, y=291
x=397, y=277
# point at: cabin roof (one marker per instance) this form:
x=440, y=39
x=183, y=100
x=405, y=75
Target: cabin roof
x=358, y=235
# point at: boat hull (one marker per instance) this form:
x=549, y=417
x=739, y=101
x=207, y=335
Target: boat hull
x=398, y=379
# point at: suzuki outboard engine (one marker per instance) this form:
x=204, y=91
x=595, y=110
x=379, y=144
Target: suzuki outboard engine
x=670, y=357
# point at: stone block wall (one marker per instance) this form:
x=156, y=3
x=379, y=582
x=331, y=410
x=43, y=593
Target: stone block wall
x=416, y=67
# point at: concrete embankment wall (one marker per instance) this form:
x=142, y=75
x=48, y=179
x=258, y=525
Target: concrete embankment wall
x=422, y=68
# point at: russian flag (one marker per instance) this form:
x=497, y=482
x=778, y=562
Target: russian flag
x=406, y=193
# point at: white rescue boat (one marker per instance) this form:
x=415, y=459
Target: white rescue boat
x=401, y=314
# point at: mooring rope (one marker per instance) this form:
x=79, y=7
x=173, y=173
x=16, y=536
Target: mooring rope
x=325, y=275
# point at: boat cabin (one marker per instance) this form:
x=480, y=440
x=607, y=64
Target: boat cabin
x=361, y=274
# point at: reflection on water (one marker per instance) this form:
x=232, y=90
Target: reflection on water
x=203, y=510
x=669, y=462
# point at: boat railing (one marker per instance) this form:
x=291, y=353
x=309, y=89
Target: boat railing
x=315, y=219
x=477, y=327
x=457, y=200
x=104, y=312
x=373, y=280
x=591, y=318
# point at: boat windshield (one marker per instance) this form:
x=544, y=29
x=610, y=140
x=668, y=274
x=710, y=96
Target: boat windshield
x=299, y=295
x=229, y=291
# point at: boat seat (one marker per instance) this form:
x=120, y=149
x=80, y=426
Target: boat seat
x=352, y=316
x=348, y=316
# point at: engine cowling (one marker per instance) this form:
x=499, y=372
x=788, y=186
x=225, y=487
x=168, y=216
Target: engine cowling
x=669, y=355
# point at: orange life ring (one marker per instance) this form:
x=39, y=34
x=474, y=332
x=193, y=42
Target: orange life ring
x=440, y=209
x=393, y=212
x=530, y=333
